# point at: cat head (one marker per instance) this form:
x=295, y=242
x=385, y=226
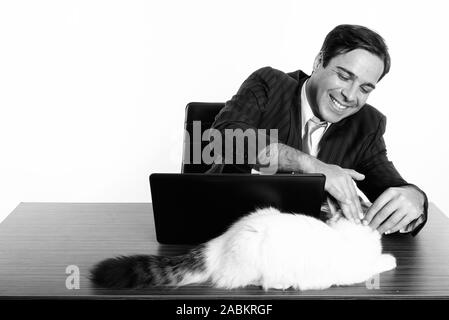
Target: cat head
x=367, y=239
x=334, y=217
x=330, y=208
x=363, y=237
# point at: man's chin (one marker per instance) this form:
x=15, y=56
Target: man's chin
x=331, y=117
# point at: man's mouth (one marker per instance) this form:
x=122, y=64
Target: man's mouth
x=338, y=106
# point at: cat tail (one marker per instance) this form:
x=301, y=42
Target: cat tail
x=140, y=271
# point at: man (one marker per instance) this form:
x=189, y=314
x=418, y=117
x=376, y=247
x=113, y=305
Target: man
x=325, y=126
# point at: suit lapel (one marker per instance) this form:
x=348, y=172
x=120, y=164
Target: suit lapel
x=331, y=142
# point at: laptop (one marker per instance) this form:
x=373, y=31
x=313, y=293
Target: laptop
x=192, y=208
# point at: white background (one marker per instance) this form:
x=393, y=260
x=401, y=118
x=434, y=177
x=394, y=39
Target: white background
x=92, y=93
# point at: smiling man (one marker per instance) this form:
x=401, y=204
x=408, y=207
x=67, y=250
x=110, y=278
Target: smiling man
x=325, y=126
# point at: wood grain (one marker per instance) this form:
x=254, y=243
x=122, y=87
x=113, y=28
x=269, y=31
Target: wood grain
x=39, y=240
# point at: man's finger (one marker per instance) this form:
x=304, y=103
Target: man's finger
x=392, y=221
x=355, y=175
x=383, y=214
x=347, y=211
x=342, y=201
x=350, y=209
x=360, y=209
x=378, y=204
x=353, y=209
x=356, y=201
x=338, y=195
x=402, y=224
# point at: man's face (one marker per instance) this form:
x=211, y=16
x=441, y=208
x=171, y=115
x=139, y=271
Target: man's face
x=341, y=88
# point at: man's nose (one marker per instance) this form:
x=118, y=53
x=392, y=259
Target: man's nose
x=349, y=93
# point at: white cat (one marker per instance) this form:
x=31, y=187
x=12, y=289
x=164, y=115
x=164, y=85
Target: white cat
x=265, y=248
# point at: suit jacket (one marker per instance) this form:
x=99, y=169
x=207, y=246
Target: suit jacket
x=271, y=99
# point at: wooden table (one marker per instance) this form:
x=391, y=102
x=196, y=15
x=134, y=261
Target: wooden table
x=39, y=240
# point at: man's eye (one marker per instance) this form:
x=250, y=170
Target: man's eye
x=343, y=77
x=365, y=91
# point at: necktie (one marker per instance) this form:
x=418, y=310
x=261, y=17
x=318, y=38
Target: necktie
x=309, y=145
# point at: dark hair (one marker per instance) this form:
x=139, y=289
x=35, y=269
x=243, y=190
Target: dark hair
x=346, y=37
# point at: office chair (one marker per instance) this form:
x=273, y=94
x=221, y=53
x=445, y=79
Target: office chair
x=197, y=111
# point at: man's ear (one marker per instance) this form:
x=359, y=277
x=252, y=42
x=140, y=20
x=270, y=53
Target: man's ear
x=318, y=63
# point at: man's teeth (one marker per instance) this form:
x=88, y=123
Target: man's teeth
x=338, y=105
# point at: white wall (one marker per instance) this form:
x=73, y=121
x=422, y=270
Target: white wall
x=92, y=93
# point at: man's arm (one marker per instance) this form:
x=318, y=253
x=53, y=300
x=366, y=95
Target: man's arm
x=339, y=181
x=397, y=205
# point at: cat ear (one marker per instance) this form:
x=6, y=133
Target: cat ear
x=333, y=205
x=329, y=210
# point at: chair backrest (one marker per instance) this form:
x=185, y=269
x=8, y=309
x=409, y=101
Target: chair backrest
x=197, y=111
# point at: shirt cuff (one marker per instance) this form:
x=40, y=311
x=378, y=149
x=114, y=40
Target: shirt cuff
x=414, y=224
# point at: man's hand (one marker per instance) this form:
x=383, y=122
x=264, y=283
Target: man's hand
x=340, y=185
x=395, y=209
